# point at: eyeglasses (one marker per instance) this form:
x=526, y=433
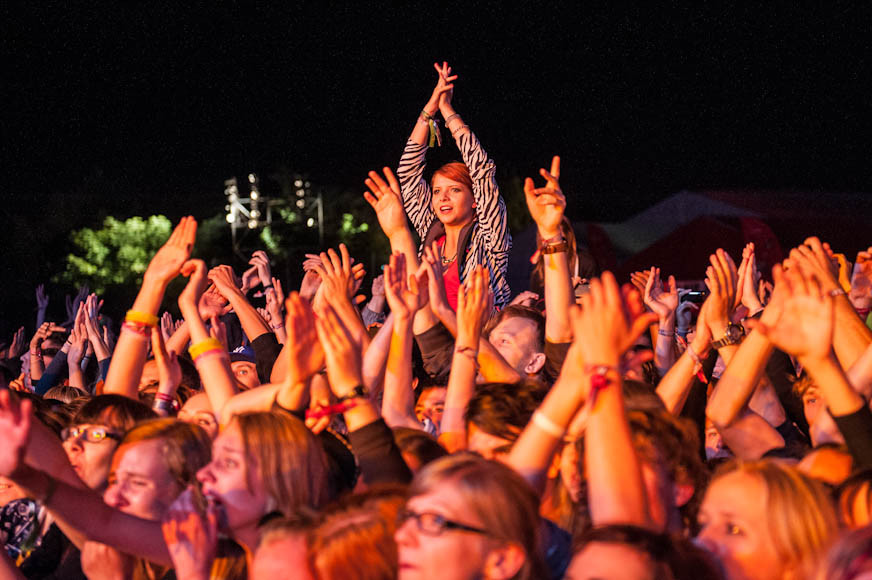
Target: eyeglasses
x=90, y=434
x=434, y=524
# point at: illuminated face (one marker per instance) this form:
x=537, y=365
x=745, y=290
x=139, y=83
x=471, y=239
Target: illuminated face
x=140, y=483
x=811, y=404
x=232, y=480
x=91, y=459
x=452, y=202
x=246, y=374
x=735, y=527
x=452, y=554
x=198, y=411
x=516, y=338
x=430, y=405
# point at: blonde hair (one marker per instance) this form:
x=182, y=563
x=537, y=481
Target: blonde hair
x=503, y=502
x=290, y=460
x=802, y=519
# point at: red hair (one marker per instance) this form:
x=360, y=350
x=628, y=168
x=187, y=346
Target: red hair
x=455, y=171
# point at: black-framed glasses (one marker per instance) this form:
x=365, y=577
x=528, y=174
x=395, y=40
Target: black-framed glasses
x=89, y=434
x=434, y=524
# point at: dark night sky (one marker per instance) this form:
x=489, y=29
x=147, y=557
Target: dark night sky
x=171, y=100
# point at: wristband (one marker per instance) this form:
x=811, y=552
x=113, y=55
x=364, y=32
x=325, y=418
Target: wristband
x=837, y=292
x=330, y=410
x=697, y=364
x=599, y=379
x=141, y=318
x=164, y=397
x=451, y=118
x=161, y=405
x=205, y=345
x=542, y=421
x=664, y=333
x=277, y=326
x=358, y=392
x=141, y=330
x=556, y=248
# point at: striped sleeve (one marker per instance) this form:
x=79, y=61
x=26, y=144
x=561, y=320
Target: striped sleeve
x=414, y=189
x=490, y=206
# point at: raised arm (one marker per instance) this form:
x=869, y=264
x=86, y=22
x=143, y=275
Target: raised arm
x=210, y=357
x=472, y=305
x=663, y=303
x=547, y=205
x=129, y=355
x=252, y=324
x=406, y=294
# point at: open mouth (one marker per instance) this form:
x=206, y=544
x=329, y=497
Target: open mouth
x=445, y=208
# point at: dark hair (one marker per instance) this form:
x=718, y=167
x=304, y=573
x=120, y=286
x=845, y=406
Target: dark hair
x=114, y=410
x=672, y=558
x=516, y=310
x=419, y=444
x=504, y=409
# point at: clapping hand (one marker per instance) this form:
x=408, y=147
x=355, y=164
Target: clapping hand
x=662, y=302
x=406, y=293
x=385, y=199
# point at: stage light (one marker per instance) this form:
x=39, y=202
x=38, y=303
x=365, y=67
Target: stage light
x=252, y=224
x=301, y=203
x=231, y=218
x=310, y=222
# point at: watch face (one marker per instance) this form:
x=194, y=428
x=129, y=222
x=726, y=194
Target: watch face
x=734, y=332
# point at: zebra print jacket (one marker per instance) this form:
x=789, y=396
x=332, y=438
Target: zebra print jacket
x=487, y=240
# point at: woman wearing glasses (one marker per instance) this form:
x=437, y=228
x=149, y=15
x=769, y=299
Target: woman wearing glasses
x=95, y=432
x=469, y=517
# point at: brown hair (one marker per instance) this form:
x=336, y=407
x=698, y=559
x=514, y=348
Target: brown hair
x=355, y=537
x=503, y=502
x=291, y=462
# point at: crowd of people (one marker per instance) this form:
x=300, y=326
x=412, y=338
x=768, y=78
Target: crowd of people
x=444, y=428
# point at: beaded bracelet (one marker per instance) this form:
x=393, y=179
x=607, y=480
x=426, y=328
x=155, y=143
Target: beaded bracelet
x=140, y=329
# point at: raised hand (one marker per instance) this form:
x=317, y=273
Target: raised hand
x=78, y=339
x=191, y=536
x=473, y=307
x=43, y=333
x=804, y=325
x=224, y=280
x=260, y=260
x=18, y=344
x=341, y=352
x=195, y=271
x=385, y=199
x=311, y=281
x=41, y=298
x=546, y=204
x=406, y=293
x=663, y=303
x=444, y=90
x=814, y=256
x=435, y=282
x=748, y=279
x=92, y=328
x=721, y=279
x=609, y=321
x=304, y=349
x=250, y=279
x=861, y=281
x=168, y=370
x=167, y=262
x=639, y=280
x=339, y=278
x=15, y=420
x=378, y=286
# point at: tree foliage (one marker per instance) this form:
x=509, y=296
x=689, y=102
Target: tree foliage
x=116, y=254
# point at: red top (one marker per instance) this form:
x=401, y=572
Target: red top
x=451, y=277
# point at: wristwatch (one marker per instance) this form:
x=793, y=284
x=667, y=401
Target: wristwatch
x=357, y=392
x=734, y=335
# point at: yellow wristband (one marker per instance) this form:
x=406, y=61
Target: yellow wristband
x=202, y=346
x=141, y=318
